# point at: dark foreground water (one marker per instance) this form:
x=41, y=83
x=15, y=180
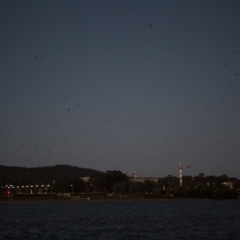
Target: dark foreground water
x=174, y=219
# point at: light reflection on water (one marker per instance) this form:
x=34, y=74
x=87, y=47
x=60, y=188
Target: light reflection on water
x=174, y=219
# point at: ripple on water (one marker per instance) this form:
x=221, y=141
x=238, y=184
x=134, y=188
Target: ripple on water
x=121, y=220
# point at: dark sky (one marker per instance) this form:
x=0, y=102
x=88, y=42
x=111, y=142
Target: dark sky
x=125, y=85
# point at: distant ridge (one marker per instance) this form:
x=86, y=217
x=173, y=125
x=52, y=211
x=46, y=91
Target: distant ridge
x=23, y=175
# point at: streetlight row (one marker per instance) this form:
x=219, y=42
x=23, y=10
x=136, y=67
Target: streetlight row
x=12, y=186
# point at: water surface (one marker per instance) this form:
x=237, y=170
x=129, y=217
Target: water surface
x=173, y=219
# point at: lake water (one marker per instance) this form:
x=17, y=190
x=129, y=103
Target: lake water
x=173, y=219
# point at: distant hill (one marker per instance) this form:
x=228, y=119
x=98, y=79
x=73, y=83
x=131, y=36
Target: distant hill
x=23, y=175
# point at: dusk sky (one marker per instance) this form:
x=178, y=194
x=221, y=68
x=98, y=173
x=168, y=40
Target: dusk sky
x=121, y=85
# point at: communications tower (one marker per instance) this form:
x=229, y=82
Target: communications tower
x=180, y=172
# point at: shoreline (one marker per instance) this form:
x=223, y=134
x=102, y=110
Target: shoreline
x=111, y=200
x=88, y=197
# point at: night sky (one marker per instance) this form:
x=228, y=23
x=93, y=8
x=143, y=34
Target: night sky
x=121, y=85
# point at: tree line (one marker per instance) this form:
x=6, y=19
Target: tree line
x=65, y=178
x=116, y=182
